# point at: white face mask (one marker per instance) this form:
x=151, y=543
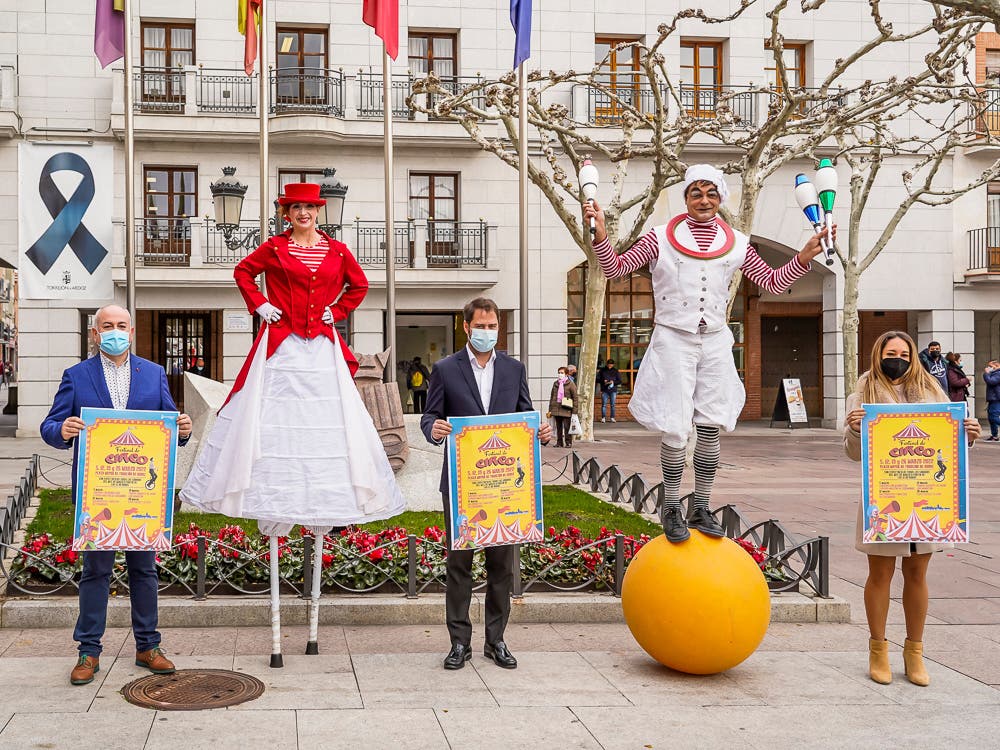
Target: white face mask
x=483, y=340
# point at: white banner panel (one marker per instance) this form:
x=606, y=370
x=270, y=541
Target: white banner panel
x=65, y=234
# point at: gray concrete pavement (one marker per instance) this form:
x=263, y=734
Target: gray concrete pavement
x=579, y=685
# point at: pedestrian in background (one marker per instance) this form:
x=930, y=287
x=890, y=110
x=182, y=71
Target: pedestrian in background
x=992, y=377
x=610, y=380
x=958, y=381
x=893, y=378
x=562, y=407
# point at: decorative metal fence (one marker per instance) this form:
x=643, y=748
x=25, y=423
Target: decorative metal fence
x=163, y=242
x=227, y=91
x=369, y=242
x=371, y=101
x=800, y=561
x=13, y=509
x=984, y=249
x=307, y=91
x=159, y=90
x=456, y=243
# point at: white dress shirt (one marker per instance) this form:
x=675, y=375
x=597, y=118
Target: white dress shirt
x=119, y=380
x=484, y=376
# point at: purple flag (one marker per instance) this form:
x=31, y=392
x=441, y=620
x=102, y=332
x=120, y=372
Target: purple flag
x=520, y=19
x=109, y=33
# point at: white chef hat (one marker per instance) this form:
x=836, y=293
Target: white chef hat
x=706, y=173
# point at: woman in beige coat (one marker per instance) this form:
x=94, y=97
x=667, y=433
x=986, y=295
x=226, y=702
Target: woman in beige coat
x=896, y=376
x=562, y=407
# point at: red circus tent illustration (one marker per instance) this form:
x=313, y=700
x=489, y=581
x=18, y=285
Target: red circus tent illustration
x=911, y=431
x=494, y=444
x=160, y=542
x=912, y=529
x=127, y=438
x=956, y=533
x=499, y=533
x=935, y=526
x=123, y=537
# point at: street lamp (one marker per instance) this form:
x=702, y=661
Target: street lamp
x=331, y=216
x=227, y=199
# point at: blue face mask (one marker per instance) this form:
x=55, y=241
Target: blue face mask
x=483, y=340
x=114, y=342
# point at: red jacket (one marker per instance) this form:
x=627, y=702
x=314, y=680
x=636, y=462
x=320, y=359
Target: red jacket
x=300, y=294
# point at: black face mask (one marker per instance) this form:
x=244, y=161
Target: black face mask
x=895, y=367
x=935, y=355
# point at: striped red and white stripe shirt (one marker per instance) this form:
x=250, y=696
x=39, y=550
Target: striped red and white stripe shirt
x=647, y=249
x=311, y=257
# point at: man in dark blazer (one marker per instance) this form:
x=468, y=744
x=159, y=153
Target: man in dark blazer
x=476, y=380
x=114, y=379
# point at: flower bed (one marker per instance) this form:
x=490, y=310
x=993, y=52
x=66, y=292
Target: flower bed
x=353, y=560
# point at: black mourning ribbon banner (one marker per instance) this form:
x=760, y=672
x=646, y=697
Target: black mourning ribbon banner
x=67, y=226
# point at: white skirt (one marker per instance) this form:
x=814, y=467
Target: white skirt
x=295, y=445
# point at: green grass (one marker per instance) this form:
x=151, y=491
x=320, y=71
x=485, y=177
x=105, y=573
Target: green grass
x=564, y=506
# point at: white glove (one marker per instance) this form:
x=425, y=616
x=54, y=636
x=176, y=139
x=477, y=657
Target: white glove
x=327, y=316
x=269, y=312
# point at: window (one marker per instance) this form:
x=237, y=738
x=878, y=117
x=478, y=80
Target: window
x=183, y=338
x=301, y=63
x=170, y=198
x=628, y=320
x=166, y=49
x=701, y=76
x=435, y=53
x=286, y=176
x=794, y=56
x=622, y=75
x=992, y=73
x=434, y=197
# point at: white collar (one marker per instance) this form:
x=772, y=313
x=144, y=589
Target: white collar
x=475, y=362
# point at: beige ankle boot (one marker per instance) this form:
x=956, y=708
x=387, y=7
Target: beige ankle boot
x=878, y=661
x=913, y=658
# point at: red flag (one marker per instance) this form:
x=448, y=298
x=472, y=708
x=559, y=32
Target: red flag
x=252, y=19
x=383, y=16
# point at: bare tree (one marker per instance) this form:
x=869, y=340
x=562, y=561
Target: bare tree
x=987, y=8
x=651, y=120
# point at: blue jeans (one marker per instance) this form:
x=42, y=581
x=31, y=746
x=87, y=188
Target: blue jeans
x=95, y=584
x=993, y=414
x=607, y=396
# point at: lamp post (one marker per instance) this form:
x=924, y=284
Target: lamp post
x=331, y=216
x=227, y=199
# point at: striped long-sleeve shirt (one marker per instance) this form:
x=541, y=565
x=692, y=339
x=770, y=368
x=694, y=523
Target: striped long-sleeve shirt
x=647, y=249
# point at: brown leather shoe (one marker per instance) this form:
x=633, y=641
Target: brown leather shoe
x=155, y=661
x=84, y=671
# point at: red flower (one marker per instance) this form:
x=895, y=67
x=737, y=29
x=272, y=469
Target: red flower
x=376, y=555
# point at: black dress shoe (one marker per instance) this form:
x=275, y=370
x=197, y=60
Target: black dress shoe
x=457, y=657
x=674, y=527
x=702, y=520
x=500, y=655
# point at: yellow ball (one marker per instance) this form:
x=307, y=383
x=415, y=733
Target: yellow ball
x=701, y=606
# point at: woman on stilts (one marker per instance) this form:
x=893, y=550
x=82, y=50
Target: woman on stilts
x=293, y=444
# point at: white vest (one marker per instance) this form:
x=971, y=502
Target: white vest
x=689, y=289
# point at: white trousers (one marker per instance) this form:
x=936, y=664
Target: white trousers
x=687, y=379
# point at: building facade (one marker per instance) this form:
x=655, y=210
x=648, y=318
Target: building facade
x=456, y=208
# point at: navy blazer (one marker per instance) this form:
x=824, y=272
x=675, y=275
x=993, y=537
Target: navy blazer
x=453, y=392
x=84, y=385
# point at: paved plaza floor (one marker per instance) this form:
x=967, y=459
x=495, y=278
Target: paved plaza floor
x=579, y=685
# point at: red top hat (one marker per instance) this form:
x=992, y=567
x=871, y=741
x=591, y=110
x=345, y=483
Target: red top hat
x=301, y=192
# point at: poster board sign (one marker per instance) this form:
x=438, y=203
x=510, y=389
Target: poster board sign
x=495, y=480
x=795, y=400
x=125, y=480
x=915, y=460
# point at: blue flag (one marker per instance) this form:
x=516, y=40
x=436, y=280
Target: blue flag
x=520, y=19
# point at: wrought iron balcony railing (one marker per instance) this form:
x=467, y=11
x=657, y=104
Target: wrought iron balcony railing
x=706, y=102
x=454, y=244
x=227, y=91
x=307, y=90
x=163, y=242
x=369, y=243
x=984, y=250
x=159, y=90
x=371, y=101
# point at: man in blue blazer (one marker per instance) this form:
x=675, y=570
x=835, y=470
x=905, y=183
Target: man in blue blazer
x=114, y=379
x=476, y=380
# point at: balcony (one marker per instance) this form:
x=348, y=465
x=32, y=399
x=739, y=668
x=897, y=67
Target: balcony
x=8, y=97
x=984, y=254
x=163, y=242
x=159, y=90
x=705, y=102
x=307, y=91
x=987, y=121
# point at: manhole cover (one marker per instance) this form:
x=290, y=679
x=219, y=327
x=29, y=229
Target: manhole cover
x=193, y=689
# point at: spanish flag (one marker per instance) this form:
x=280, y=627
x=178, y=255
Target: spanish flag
x=249, y=30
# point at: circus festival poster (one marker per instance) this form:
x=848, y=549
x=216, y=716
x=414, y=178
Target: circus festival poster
x=495, y=478
x=915, y=459
x=125, y=480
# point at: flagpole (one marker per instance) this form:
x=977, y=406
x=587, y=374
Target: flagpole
x=263, y=81
x=390, y=254
x=129, y=167
x=522, y=190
